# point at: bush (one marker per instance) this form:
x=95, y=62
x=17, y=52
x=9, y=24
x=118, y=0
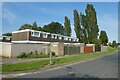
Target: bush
x=22, y=55
x=53, y=53
x=31, y=55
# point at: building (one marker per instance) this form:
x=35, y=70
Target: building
x=28, y=40
x=33, y=36
x=5, y=38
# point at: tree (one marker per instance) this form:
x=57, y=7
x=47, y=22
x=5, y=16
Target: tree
x=85, y=29
x=97, y=41
x=91, y=23
x=25, y=26
x=54, y=27
x=7, y=34
x=39, y=28
x=34, y=26
x=77, y=26
x=104, y=38
x=67, y=26
x=114, y=44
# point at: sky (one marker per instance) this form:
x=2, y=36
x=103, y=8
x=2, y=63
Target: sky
x=15, y=14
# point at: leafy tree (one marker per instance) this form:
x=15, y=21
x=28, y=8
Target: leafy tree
x=110, y=44
x=54, y=27
x=7, y=34
x=67, y=26
x=25, y=26
x=39, y=28
x=34, y=26
x=114, y=44
x=89, y=27
x=85, y=29
x=104, y=38
x=77, y=26
x=97, y=41
x=91, y=23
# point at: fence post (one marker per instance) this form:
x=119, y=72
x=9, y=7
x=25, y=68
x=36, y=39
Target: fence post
x=50, y=58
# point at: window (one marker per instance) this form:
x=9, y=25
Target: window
x=55, y=36
x=35, y=34
x=60, y=37
x=52, y=36
x=65, y=38
x=45, y=35
x=73, y=39
x=69, y=39
x=77, y=40
x=7, y=38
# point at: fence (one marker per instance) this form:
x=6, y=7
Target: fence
x=97, y=48
x=71, y=50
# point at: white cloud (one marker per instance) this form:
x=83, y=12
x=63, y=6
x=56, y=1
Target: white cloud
x=9, y=16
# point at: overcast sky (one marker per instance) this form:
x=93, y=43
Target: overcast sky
x=17, y=13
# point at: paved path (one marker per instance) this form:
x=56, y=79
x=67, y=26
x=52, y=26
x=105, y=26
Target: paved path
x=105, y=67
x=17, y=60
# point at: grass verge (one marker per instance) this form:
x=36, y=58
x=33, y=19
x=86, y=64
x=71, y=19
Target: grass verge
x=42, y=63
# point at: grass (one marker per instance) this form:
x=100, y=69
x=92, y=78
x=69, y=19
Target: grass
x=33, y=65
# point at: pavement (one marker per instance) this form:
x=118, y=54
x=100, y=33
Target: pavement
x=20, y=60
x=103, y=67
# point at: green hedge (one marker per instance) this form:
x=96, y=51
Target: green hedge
x=31, y=55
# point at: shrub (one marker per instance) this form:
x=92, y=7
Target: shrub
x=36, y=52
x=53, y=53
x=22, y=55
x=31, y=55
x=41, y=53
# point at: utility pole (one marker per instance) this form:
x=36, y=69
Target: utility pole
x=50, y=51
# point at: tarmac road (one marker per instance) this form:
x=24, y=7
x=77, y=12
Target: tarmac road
x=105, y=67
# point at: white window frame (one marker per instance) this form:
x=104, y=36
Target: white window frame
x=33, y=34
x=60, y=37
x=77, y=40
x=45, y=35
x=70, y=39
x=74, y=39
x=7, y=38
x=55, y=36
x=52, y=36
x=65, y=38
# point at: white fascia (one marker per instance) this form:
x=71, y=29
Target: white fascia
x=26, y=41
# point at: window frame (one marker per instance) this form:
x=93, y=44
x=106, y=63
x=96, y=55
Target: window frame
x=34, y=35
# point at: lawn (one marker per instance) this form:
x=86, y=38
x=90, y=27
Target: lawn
x=34, y=65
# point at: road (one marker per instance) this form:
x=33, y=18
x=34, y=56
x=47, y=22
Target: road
x=105, y=67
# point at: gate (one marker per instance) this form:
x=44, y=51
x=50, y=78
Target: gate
x=97, y=48
x=71, y=50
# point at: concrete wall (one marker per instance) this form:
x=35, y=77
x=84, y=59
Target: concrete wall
x=58, y=48
x=6, y=49
x=13, y=50
x=103, y=48
x=19, y=48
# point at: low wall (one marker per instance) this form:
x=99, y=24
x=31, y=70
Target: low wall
x=6, y=49
x=103, y=48
x=13, y=50
x=58, y=48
